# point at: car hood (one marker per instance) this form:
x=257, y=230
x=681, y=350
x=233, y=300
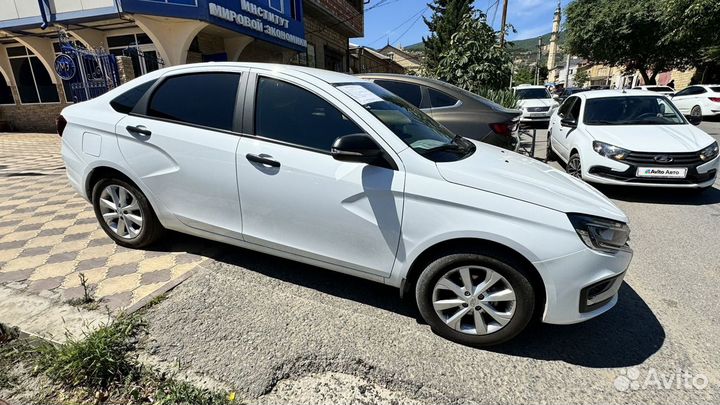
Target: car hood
x=536, y=102
x=652, y=138
x=510, y=174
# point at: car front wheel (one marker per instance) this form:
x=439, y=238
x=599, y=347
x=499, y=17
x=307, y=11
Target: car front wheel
x=475, y=299
x=125, y=214
x=574, y=166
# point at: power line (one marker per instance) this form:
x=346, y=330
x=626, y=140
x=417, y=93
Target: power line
x=408, y=28
x=387, y=34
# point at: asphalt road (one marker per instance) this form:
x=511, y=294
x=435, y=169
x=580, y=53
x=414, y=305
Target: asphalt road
x=266, y=325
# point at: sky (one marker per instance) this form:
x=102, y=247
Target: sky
x=401, y=21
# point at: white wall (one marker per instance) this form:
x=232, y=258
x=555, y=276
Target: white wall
x=63, y=6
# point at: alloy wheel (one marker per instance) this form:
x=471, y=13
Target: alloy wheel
x=474, y=300
x=696, y=111
x=573, y=166
x=121, y=211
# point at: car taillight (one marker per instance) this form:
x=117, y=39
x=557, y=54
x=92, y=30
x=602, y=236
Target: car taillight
x=60, y=124
x=502, y=128
x=715, y=99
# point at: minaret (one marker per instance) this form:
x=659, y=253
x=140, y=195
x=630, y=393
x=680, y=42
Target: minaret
x=552, y=49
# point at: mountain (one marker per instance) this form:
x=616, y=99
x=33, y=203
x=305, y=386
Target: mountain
x=518, y=46
x=530, y=44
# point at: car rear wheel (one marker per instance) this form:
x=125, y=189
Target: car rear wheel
x=125, y=214
x=550, y=154
x=574, y=166
x=475, y=299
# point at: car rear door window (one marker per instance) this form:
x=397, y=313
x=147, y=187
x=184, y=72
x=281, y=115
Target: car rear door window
x=439, y=99
x=409, y=92
x=125, y=102
x=290, y=114
x=205, y=99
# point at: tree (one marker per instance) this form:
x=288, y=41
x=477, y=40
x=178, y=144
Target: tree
x=581, y=78
x=444, y=22
x=524, y=75
x=474, y=60
x=625, y=33
x=693, y=22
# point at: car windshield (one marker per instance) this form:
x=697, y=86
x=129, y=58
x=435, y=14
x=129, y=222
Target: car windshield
x=412, y=126
x=631, y=110
x=524, y=94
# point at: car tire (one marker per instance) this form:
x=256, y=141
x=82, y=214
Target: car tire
x=432, y=295
x=134, y=224
x=574, y=165
x=696, y=111
x=550, y=153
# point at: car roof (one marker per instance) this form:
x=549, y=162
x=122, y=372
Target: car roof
x=528, y=86
x=328, y=76
x=615, y=93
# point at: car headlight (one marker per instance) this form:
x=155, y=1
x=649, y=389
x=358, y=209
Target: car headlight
x=610, y=151
x=710, y=152
x=601, y=234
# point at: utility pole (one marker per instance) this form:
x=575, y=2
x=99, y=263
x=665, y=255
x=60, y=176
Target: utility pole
x=537, y=64
x=567, y=71
x=502, y=24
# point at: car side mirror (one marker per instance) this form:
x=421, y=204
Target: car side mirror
x=568, y=122
x=695, y=119
x=360, y=148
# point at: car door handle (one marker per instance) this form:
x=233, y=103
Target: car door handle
x=266, y=160
x=139, y=129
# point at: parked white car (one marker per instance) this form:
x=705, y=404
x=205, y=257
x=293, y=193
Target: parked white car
x=666, y=90
x=536, y=103
x=331, y=170
x=698, y=100
x=631, y=138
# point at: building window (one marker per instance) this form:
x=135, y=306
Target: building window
x=32, y=79
x=6, y=96
x=334, y=60
x=140, y=48
x=311, y=55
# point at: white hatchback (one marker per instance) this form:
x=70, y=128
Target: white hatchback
x=631, y=138
x=334, y=171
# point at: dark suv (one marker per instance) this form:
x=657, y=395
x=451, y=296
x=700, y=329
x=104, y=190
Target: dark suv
x=462, y=112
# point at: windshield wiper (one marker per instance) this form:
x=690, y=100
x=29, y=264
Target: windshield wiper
x=447, y=146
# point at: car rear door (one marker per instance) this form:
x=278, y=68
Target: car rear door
x=295, y=197
x=180, y=141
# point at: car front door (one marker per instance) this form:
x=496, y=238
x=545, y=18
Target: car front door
x=179, y=142
x=558, y=132
x=296, y=198
x=687, y=98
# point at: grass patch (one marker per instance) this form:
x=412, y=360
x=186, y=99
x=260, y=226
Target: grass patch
x=102, y=368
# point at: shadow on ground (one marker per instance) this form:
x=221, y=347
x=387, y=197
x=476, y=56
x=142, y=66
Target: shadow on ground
x=625, y=336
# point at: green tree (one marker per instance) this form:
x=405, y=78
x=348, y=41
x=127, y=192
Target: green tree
x=474, y=60
x=524, y=75
x=625, y=33
x=581, y=78
x=695, y=23
x=444, y=22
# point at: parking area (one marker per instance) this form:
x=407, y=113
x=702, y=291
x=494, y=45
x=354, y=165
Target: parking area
x=255, y=322
x=49, y=235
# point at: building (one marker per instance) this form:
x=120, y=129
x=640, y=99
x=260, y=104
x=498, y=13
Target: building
x=567, y=71
x=553, y=47
x=366, y=60
x=407, y=60
x=144, y=35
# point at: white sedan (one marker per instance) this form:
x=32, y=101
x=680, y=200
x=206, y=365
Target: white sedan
x=332, y=170
x=698, y=100
x=666, y=90
x=631, y=138
x=535, y=102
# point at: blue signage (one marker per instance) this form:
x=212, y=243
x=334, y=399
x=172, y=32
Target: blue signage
x=276, y=21
x=65, y=66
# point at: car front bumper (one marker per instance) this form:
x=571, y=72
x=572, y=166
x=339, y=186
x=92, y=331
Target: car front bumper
x=599, y=169
x=582, y=285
